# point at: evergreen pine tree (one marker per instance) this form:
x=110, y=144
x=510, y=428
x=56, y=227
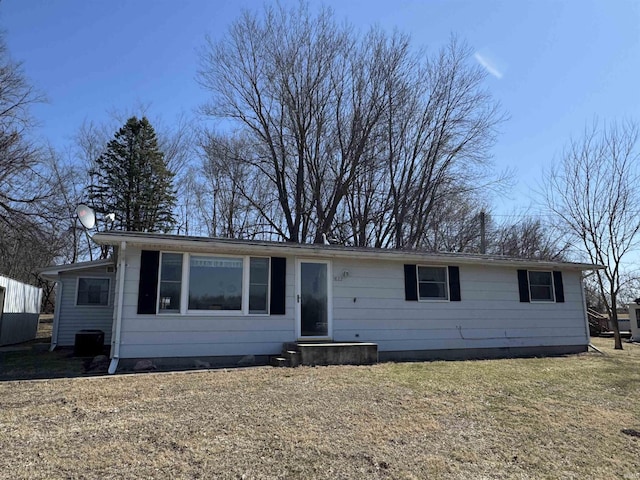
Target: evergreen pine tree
x=131, y=179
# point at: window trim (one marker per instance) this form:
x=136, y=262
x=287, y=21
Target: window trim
x=446, y=284
x=552, y=286
x=90, y=305
x=184, y=287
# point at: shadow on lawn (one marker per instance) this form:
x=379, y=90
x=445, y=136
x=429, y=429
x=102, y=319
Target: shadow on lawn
x=33, y=360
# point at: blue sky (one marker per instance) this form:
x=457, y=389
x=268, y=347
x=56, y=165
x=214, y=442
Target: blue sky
x=554, y=66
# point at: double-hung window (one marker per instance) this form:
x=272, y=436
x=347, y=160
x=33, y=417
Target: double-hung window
x=432, y=283
x=541, y=286
x=170, y=282
x=258, y=285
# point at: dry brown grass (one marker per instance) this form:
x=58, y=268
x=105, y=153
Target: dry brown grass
x=45, y=327
x=525, y=418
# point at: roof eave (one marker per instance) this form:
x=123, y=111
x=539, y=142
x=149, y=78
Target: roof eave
x=53, y=271
x=212, y=245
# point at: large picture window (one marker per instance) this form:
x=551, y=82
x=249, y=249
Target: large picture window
x=432, y=283
x=215, y=283
x=541, y=286
x=93, y=291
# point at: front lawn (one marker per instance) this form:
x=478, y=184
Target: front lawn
x=523, y=418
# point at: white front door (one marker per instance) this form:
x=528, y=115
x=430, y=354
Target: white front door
x=313, y=299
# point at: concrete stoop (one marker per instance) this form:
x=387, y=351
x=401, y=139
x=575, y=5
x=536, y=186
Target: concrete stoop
x=326, y=353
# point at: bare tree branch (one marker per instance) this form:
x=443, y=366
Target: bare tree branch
x=592, y=191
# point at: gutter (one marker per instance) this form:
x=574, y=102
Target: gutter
x=244, y=247
x=56, y=317
x=116, y=331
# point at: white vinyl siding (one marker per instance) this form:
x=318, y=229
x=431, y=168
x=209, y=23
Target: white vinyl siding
x=368, y=305
x=74, y=318
x=204, y=333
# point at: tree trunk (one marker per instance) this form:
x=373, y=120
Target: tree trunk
x=617, y=340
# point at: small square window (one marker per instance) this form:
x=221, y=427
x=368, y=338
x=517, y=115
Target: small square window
x=432, y=283
x=93, y=291
x=541, y=286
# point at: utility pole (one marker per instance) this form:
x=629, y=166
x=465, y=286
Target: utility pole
x=483, y=235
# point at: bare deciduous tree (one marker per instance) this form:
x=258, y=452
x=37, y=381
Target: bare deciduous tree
x=281, y=79
x=356, y=135
x=440, y=130
x=230, y=194
x=530, y=238
x=593, y=191
x=29, y=238
x=23, y=185
x=454, y=224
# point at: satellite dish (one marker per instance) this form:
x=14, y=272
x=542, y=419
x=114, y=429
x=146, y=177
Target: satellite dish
x=86, y=215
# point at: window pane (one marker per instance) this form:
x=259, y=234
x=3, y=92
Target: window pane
x=431, y=274
x=169, y=296
x=258, y=285
x=171, y=267
x=93, y=291
x=541, y=293
x=215, y=283
x=540, y=278
x=259, y=271
x=258, y=299
x=433, y=290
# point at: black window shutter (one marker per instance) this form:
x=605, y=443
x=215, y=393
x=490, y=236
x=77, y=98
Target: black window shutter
x=523, y=285
x=278, y=285
x=148, y=285
x=410, y=283
x=558, y=286
x=454, y=284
